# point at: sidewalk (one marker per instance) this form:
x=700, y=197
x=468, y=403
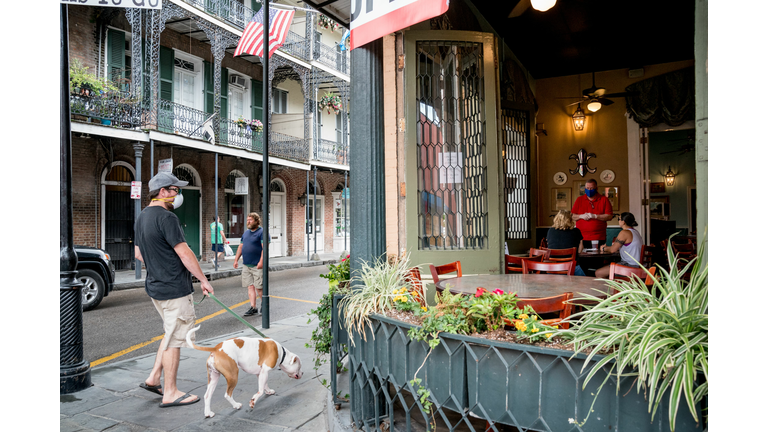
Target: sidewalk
x=125, y=279
x=115, y=401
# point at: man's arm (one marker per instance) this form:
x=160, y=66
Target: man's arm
x=237, y=255
x=261, y=260
x=604, y=217
x=137, y=254
x=189, y=260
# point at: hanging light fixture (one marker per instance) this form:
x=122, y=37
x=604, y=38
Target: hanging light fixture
x=594, y=105
x=579, y=119
x=669, y=177
x=303, y=199
x=543, y=5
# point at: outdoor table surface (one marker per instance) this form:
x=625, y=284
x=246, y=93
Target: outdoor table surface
x=596, y=254
x=527, y=286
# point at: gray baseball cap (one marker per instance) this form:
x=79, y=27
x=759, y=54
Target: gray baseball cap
x=163, y=180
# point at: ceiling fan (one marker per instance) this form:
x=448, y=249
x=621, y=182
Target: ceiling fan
x=689, y=146
x=539, y=5
x=595, y=97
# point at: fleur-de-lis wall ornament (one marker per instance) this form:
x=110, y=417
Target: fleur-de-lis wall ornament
x=582, y=159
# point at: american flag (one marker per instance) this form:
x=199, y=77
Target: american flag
x=252, y=41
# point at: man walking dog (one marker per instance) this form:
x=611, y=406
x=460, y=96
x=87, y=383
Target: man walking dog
x=161, y=246
x=251, y=247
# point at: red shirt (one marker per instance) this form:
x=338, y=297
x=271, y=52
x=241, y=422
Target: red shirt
x=592, y=229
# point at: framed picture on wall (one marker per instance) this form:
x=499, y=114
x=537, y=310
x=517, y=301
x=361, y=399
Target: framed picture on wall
x=659, y=207
x=561, y=199
x=579, y=186
x=612, y=193
x=658, y=187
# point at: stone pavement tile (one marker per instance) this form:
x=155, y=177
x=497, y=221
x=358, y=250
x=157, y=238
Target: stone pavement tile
x=316, y=424
x=291, y=408
x=148, y=414
x=218, y=423
x=85, y=422
x=85, y=400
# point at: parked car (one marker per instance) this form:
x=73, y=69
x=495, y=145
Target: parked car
x=96, y=272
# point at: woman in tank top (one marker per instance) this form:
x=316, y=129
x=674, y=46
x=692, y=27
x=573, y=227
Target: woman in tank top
x=629, y=242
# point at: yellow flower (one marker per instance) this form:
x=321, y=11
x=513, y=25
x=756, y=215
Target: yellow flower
x=414, y=293
x=523, y=316
x=535, y=317
x=534, y=330
x=555, y=326
x=549, y=335
x=424, y=308
x=521, y=326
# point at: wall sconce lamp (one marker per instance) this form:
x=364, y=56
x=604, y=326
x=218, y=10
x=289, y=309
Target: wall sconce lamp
x=543, y=5
x=579, y=119
x=303, y=200
x=669, y=177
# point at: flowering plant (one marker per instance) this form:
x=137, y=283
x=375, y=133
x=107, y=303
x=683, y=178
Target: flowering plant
x=241, y=122
x=406, y=300
x=252, y=125
x=330, y=102
x=327, y=23
x=339, y=272
x=530, y=326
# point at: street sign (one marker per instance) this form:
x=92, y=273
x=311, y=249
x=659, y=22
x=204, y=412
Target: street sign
x=135, y=190
x=140, y=4
x=241, y=186
x=165, y=165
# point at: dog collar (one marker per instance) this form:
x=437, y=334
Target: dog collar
x=282, y=358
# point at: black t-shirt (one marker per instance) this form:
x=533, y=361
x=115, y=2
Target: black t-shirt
x=563, y=239
x=157, y=232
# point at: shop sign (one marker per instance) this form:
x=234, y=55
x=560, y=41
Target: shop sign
x=165, y=165
x=140, y=4
x=372, y=19
x=241, y=186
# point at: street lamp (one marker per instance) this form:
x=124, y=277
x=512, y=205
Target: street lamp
x=303, y=200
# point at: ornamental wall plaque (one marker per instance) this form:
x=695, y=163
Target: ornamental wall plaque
x=582, y=159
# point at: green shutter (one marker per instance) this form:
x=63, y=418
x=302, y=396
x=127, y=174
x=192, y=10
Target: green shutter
x=165, y=111
x=208, y=85
x=255, y=6
x=257, y=110
x=116, y=53
x=224, y=104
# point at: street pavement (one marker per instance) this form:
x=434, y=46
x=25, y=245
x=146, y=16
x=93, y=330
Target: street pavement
x=115, y=402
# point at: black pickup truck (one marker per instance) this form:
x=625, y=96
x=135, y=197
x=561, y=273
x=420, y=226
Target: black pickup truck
x=96, y=272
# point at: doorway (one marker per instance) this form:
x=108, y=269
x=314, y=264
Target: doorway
x=316, y=227
x=189, y=214
x=118, y=214
x=276, y=218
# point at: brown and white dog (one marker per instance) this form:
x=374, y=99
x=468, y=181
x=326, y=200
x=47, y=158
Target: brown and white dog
x=253, y=355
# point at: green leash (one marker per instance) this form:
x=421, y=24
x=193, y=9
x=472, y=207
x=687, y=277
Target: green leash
x=235, y=315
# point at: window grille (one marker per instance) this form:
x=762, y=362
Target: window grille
x=515, y=139
x=183, y=64
x=185, y=174
x=276, y=186
x=230, y=183
x=452, y=162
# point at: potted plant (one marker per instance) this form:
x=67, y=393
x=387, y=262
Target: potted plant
x=86, y=84
x=330, y=103
x=326, y=23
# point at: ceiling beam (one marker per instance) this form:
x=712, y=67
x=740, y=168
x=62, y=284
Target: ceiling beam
x=321, y=7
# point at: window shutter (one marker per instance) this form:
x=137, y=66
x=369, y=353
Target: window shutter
x=257, y=100
x=255, y=6
x=116, y=53
x=166, y=73
x=224, y=104
x=208, y=85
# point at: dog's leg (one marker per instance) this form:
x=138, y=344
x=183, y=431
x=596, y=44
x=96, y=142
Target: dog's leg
x=263, y=389
x=213, y=379
x=231, y=383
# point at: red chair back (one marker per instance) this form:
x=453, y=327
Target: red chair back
x=414, y=278
x=646, y=256
x=566, y=268
x=445, y=269
x=562, y=255
x=513, y=264
x=620, y=272
x=543, y=244
x=534, y=252
x=544, y=305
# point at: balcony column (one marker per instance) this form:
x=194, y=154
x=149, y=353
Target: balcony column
x=134, y=16
x=138, y=149
x=155, y=26
x=310, y=35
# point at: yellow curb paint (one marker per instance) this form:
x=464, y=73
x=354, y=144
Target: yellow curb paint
x=286, y=298
x=156, y=338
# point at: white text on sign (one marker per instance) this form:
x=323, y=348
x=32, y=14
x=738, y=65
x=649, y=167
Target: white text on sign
x=141, y=4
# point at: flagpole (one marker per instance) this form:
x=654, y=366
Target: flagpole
x=265, y=180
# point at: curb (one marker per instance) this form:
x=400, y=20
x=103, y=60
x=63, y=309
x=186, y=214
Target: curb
x=222, y=274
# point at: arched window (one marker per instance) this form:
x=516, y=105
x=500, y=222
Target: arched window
x=186, y=174
x=276, y=186
x=236, y=207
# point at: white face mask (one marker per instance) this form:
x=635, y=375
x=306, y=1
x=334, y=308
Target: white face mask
x=178, y=200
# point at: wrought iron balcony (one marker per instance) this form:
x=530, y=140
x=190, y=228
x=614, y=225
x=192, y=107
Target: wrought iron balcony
x=180, y=119
x=332, y=152
x=288, y=147
x=296, y=45
x=118, y=109
x=338, y=60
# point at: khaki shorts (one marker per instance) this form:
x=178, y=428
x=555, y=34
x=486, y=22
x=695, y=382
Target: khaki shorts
x=178, y=319
x=252, y=276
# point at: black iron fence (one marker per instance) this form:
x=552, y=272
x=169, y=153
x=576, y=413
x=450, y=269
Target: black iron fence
x=117, y=109
x=181, y=120
x=332, y=152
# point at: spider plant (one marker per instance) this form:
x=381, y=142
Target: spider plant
x=659, y=335
x=379, y=282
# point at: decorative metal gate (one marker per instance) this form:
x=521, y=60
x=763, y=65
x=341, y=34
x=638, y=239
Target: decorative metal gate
x=118, y=217
x=452, y=162
x=515, y=139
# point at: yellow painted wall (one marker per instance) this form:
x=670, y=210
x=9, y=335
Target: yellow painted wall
x=605, y=133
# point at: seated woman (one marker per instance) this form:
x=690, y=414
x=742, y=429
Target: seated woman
x=565, y=235
x=629, y=242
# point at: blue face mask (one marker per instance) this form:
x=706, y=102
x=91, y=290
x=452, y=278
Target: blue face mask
x=590, y=192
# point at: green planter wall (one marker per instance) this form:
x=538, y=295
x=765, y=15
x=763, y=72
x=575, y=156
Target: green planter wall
x=531, y=388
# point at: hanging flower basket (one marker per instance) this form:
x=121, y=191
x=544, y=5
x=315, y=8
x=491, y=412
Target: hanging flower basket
x=254, y=125
x=327, y=23
x=330, y=103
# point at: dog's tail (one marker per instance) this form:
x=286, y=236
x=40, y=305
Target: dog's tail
x=197, y=347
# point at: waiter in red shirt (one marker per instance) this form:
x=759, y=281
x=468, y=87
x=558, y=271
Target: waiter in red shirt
x=591, y=212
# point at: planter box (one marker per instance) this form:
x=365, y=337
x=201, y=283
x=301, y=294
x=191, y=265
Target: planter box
x=528, y=387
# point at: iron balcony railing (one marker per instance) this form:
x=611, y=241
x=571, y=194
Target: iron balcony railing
x=242, y=137
x=231, y=11
x=332, y=57
x=180, y=119
x=296, y=45
x=288, y=147
x=110, y=109
x=332, y=152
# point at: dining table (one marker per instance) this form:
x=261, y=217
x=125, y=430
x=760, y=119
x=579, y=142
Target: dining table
x=527, y=286
x=592, y=259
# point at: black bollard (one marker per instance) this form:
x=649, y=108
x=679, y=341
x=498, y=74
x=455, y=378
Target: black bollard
x=75, y=372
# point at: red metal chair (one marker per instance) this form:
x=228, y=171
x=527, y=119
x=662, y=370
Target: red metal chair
x=444, y=269
x=562, y=255
x=646, y=256
x=414, y=278
x=513, y=264
x=620, y=272
x=565, y=268
x=535, y=252
x=543, y=244
x=560, y=303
